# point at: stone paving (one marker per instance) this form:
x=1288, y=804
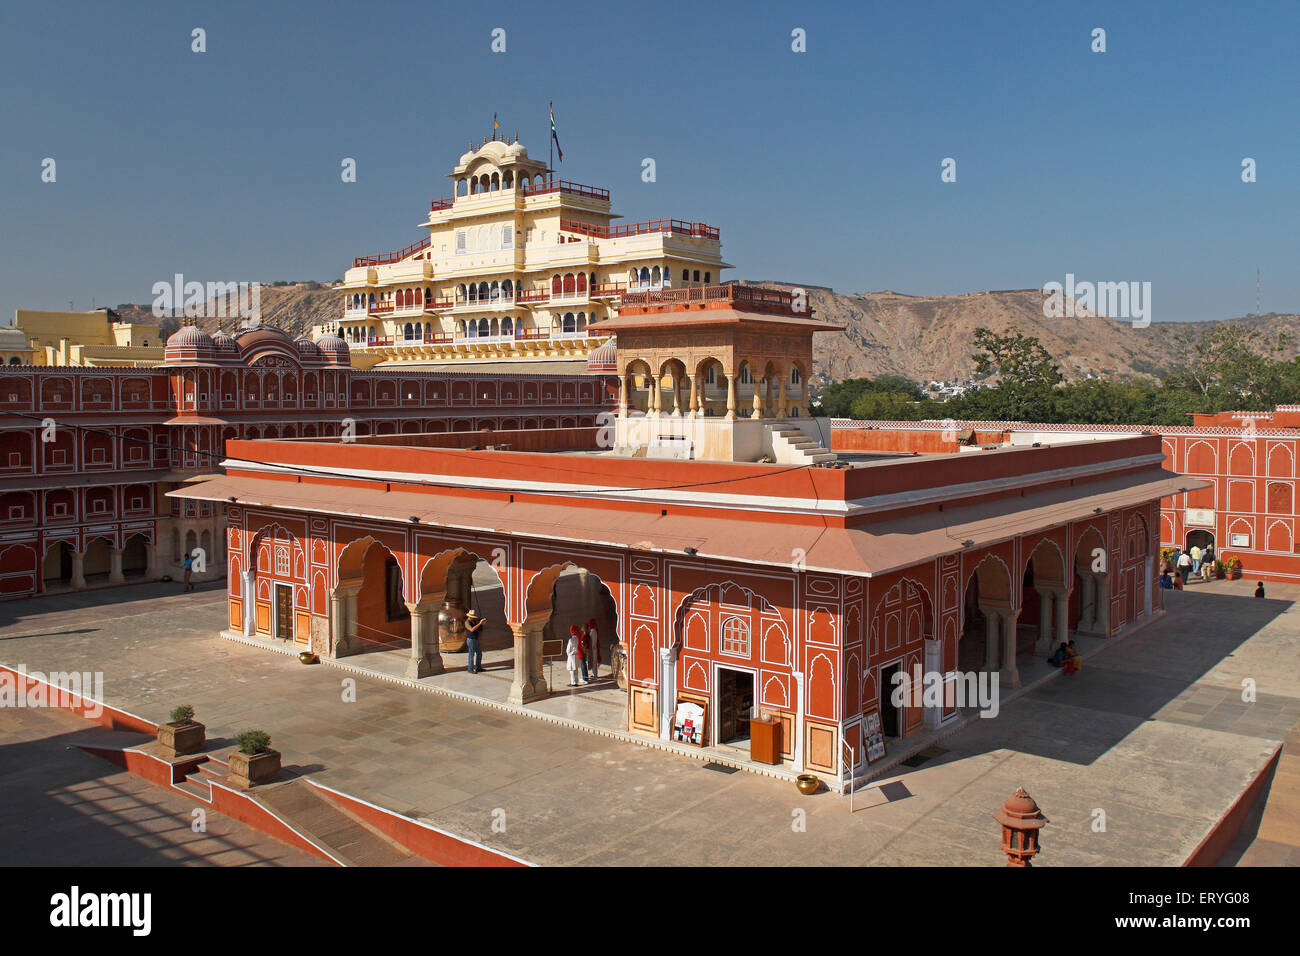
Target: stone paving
x=65, y=807
x=1152, y=731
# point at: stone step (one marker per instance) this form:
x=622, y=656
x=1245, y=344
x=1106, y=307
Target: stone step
x=195, y=788
x=347, y=837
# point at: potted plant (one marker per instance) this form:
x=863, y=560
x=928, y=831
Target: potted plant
x=1166, y=557
x=1233, y=564
x=254, y=762
x=1219, y=570
x=183, y=735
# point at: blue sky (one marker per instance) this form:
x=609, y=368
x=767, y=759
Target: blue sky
x=821, y=167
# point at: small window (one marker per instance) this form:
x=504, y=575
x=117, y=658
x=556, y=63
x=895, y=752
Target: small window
x=794, y=375
x=15, y=460
x=17, y=512
x=697, y=275
x=707, y=276
x=59, y=509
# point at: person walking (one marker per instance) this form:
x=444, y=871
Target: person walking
x=473, y=633
x=1184, y=566
x=592, y=634
x=189, y=571
x=1259, y=589
x=572, y=653
x=1196, y=559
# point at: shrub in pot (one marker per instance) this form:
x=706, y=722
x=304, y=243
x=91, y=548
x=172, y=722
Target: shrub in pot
x=183, y=735
x=254, y=762
x=1233, y=564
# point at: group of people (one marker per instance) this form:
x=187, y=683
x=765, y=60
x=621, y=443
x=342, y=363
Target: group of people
x=1067, y=656
x=582, y=650
x=1178, y=569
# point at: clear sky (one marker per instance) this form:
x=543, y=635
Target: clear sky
x=821, y=167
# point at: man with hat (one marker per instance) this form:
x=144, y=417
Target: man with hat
x=473, y=631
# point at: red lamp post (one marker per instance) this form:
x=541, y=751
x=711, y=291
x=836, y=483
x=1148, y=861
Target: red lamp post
x=1021, y=820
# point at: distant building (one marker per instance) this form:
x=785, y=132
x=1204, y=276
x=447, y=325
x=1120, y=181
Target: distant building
x=90, y=339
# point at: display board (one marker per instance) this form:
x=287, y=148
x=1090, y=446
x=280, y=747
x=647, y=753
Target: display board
x=873, y=737
x=689, y=722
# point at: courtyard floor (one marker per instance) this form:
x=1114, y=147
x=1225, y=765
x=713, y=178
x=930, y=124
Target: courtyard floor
x=1153, y=732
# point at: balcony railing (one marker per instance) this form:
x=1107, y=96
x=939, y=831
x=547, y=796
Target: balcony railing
x=699, y=230
x=398, y=256
x=545, y=186
x=381, y=308
x=607, y=290
x=519, y=335
x=532, y=295
x=754, y=298
x=438, y=205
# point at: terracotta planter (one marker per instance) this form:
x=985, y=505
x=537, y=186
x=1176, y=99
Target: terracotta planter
x=249, y=770
x=808, y=783
x=179, y=739
x=1234, y=574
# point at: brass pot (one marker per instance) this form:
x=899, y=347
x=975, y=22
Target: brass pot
x=307, y=657
x=808, y=783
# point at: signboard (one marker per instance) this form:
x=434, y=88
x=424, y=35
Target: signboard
x=873, y=738
x=1201, y=516
x=688, y=722
x=1239, y=540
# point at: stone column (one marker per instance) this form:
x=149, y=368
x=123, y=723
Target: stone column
x=623, y=389
x=781, y=408
x=115, y=567
x=677, y=396
x=528, y=645
x=695, y=398
x=656, y=396
x=151, y=550
x=78, y=579
x=991, y=620
x=343, y=620
x=932, y=716
x=1044, y=642
x=426, y=659
x=1102, y=589
x=536, y=672
x=1062, y=598
x=1087, y=603
x=757, y=403
x=731, y=398
x=1010, y=675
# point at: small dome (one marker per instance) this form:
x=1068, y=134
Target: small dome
x=516, y=150
x=190, y=337
x=223, y=342
x=603, y=358
x=334, y=349
x=306, y=346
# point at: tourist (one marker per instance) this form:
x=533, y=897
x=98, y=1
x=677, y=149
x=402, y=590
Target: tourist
x=473, y=633
x=1058, y=658
x=1185, y=566
x=1073, y=660
x=1166, y=581
x=189, y=570
x=1178, y=582
x=1196, y=559
x=1207, y=566
x=1259, y=589
x=572, y=653
x=592, y=634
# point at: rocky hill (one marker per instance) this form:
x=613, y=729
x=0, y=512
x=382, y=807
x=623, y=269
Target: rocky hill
x=921, y=337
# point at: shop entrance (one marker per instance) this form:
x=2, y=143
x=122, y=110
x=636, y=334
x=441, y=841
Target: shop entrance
x=888, y=711
x=1200, y=539
x=735, y=705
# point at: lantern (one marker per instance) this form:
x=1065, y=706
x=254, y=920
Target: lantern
x=1021, y=820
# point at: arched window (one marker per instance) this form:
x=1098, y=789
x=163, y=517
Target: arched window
x=14, y=360
x=555, y=285
x=795, y=378
x=569, y=324
x=496, y=291
x=569, y=285
x=482, y=291
x=496, y=182
x=410, y=332
x=645, y=278
x=525, y=182
x=654, y=276
x=582, y=282
x=419, y=297
x=745, y=377
x=508, y=180
x=592, y=279
x=460, y=327
x=483, y=328
x=582, y=321
x=697, y=275
x=508, y=289
x=507, y=326
x=428, y=295
x=461, y=293
x=686, y=275
x=473, y=329
x=707, y=277
x=496, y=327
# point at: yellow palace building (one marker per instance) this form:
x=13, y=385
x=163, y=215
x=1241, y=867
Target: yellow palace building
x=96, y=338
x=516, y=266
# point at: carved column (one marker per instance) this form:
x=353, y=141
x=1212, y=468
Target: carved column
x=1044, y=642
x=1087, y=603
x=677, y=396
x=343, y=620
x=536, y=674
x=656, y=396
x=781, y=408
x=1062, y=597
x=78, y=579
x=1010, y=675
x=932, y=716
x=623, y=389
x=990, y=639
x=426, y=660
x=151, y=550
x=731, y=398
x=695, y=398
x=1102, y=589
x=757, y=403
x=115, y=567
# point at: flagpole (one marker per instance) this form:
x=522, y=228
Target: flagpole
x=550, y=139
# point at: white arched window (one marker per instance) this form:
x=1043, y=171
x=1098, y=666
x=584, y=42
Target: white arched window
x=794, y=375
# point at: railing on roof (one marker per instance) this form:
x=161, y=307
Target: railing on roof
x=438, y=205
x=680, y=227
x=751, y=297
x=543, y=186
x=398, y=256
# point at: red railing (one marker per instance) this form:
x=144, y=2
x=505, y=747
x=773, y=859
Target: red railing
x=542, y=187
x=755, y=298
x=386, y=258
x=679, y=227
x=534, y=295
x=380, y=308
x=438, y=205
x=432, y=304
x=603, y=290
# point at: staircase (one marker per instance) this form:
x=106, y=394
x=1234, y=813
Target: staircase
x=198, y=782
x=344, y=836
x=790, y=446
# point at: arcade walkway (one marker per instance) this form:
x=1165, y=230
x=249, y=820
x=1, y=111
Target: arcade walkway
x=1153, y=731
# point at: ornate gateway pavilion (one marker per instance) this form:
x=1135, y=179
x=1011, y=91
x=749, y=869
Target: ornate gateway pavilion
x=788, y=592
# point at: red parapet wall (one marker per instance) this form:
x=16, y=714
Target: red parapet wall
x=533, y=439
x=889, y=440
x=1215, y=843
